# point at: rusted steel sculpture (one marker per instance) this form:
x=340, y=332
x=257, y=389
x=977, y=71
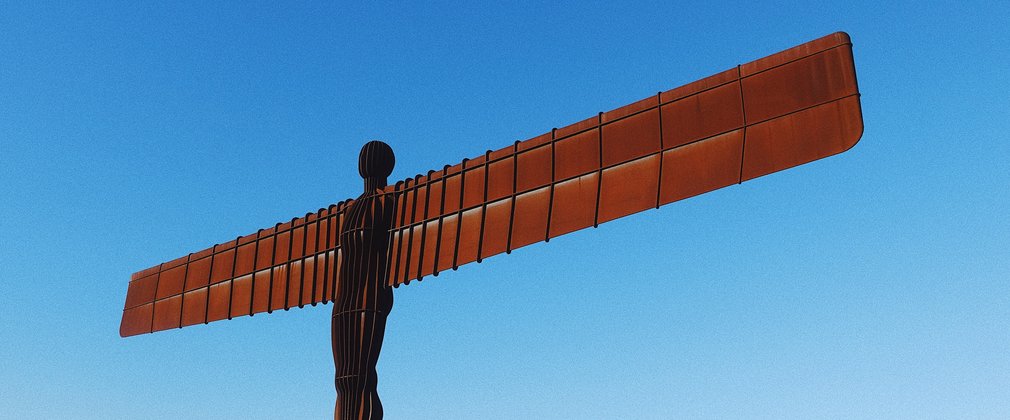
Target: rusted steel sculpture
x=363, y=299
x=784, y=110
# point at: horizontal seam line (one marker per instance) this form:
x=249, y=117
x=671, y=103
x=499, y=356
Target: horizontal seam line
x=600, y=126
x=400, y=229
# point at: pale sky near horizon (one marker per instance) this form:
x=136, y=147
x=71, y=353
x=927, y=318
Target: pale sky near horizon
x=868, y=285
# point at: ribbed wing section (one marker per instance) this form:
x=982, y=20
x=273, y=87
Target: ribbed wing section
x=790, y=108
x=292, y=264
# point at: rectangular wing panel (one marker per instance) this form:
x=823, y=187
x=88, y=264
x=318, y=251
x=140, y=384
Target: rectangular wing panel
x=292, y=264
x=789, y=108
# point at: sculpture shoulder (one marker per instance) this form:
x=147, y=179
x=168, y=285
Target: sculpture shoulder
x=370, y=211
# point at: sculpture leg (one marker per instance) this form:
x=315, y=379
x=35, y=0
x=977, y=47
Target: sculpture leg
x=357, y=340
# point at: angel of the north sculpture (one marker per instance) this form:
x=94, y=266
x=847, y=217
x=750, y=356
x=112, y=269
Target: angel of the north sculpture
x=784, y=110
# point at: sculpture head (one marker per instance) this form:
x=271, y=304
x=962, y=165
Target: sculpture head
x=375, y=163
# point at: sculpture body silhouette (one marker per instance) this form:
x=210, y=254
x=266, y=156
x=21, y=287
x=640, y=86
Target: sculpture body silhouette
x=363, y=299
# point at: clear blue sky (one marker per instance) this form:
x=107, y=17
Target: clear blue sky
x=873, y=284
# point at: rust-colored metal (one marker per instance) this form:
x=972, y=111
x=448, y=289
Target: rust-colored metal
x=781, y=111
x=260, y=272
x=789, y=108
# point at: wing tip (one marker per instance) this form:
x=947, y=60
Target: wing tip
x=855, y=133
x=841, y=37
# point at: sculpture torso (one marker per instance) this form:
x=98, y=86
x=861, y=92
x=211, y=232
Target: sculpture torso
x=364, y=243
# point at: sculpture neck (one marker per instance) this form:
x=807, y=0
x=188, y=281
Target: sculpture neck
x=374, y=183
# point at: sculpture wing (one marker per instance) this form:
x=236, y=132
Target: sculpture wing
x=294, y=263
x=784, y=110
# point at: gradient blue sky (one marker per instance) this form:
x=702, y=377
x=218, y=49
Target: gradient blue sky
x=872, y=284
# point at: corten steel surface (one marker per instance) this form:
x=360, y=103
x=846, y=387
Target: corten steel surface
x=781, y=111
x=789, y=108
